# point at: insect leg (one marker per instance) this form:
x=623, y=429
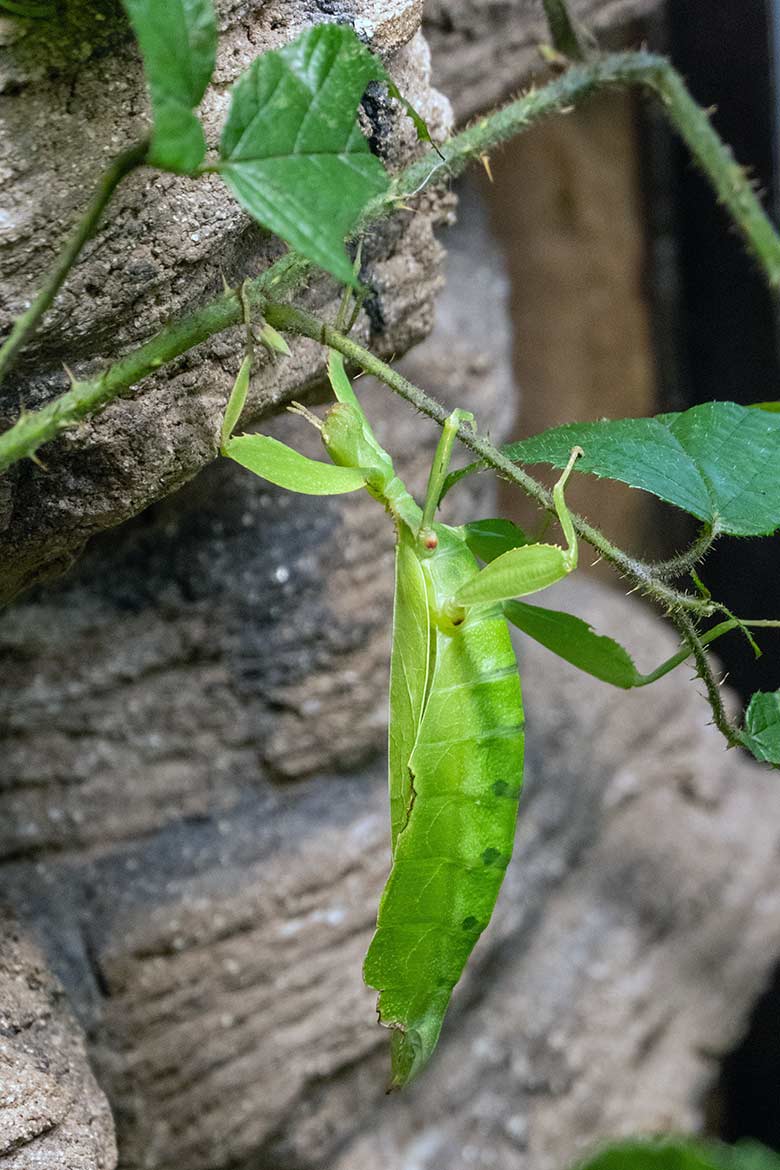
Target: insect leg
x=439, y=468
x=527, y=569
x=563, y=513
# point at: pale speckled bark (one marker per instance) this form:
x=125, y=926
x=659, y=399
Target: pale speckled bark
x=53, y=1116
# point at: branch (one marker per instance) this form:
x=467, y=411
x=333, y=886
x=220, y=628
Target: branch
x=287, y=275
x=563, y=30
x=656, y=74
x=719, y=717
x=25, y=326
x=685, y=562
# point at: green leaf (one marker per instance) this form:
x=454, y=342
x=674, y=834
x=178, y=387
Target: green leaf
x=236, y=401
x=178, y=40
x=678, y=1154
x=575, y=641
x=292, y=151
x=761, y=734
x=488, y=539
x=773, y=407
x=287, y=468
x=752, y=1156
x=717, y=461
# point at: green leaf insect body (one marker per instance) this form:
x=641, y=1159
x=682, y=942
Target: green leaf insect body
x=456, y=720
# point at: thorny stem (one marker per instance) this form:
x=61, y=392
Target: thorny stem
x=678, y=565
x=691, y=637
x=646, y=70
x=650, y=72
x=706, y=638
x=679, y=605
x=25, y=326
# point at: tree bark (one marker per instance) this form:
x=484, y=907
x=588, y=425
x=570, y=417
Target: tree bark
x=165, y=246
x=193, y=807
x=52, y=1112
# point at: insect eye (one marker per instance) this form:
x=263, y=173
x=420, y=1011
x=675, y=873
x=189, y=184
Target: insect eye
x=428, y=540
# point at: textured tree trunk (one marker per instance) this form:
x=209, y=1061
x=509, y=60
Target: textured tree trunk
x=52, y=1112
x=192, y=802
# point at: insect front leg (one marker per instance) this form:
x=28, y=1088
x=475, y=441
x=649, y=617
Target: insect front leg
x=525, y=570
x=426, y=537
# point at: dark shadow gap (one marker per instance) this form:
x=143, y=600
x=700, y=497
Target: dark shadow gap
x=745, y=1102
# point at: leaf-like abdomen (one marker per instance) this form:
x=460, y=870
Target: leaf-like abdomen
x=409, y=667
x=450, y=856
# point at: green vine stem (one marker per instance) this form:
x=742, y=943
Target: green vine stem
x=692, y=638
x=563, y=30
x=25, y=326
x=684, y=562
x=290, y=273
x=658, y=76
x=705, y=639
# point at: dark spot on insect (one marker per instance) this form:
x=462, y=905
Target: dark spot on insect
x=458, y=621
x=491, y=856
x=500, y=788
x=469, y=923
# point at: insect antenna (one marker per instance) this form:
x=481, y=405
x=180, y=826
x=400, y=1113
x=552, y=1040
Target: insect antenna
x=304, y=412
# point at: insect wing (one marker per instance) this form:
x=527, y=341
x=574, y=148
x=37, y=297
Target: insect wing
x=409, y=672
x=450, y=854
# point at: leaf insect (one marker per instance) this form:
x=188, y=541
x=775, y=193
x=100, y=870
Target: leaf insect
x=456, y=715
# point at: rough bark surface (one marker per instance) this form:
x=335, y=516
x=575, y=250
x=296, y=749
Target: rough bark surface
x=52, y=1113
x=195, y=815
x=165, y=246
